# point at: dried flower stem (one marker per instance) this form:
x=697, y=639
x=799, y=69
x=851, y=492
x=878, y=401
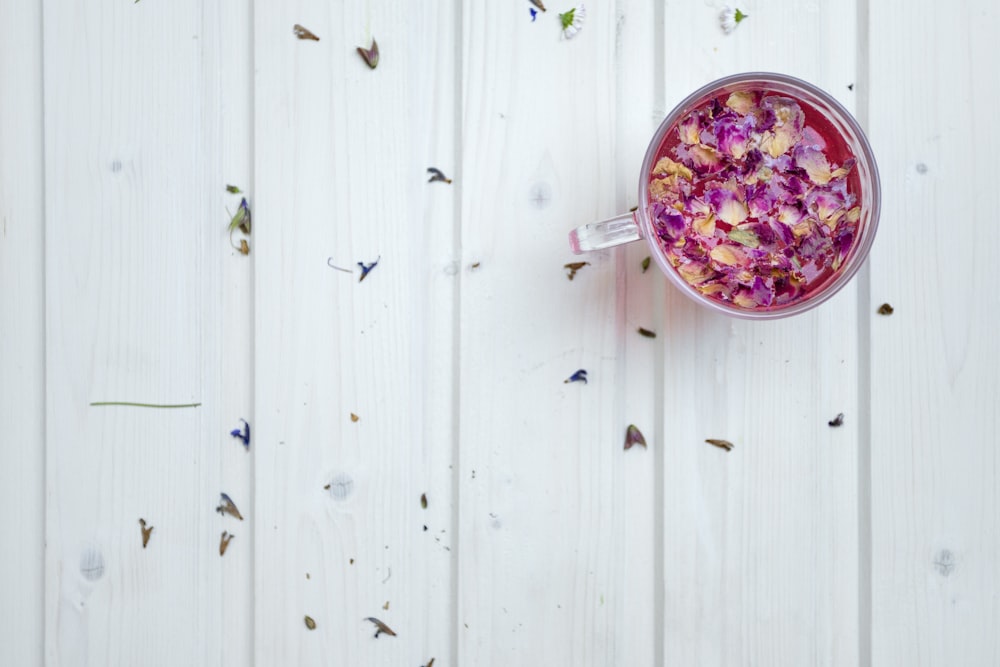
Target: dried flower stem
x=148, y=405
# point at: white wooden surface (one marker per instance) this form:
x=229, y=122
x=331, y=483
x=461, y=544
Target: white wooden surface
x=120, y=125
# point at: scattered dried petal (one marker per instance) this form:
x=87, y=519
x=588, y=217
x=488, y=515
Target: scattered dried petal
x=572, y=21
x=574, y=267
x=310, y=623
x=633, y=437
x=437, y=175
x=724, y=444
x=647, y=333
x=227, y=506
x=304, y=33
x=146, y=532
x=579, y=376
x=370, y=55
x=423, y=500
x=365, y=269
x=354, y=417
x=431, y=663
x=381, y=627
x=838, y=420
x=241, y=219
x=232, y=189
x=536, y=3
x=645, y=264
x=885, y=309
x=244, y=247
x=243, y=435
x=224, y=540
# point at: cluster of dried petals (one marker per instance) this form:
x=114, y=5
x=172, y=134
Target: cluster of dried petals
x=746, y=203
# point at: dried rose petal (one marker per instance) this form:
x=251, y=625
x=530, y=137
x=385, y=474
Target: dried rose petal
x=814, y=162
x=727, y=206
x=741, y=101
x=731, y=137
x=689, y=129
x=671, y=168
x=728, y=255
x=695, y=272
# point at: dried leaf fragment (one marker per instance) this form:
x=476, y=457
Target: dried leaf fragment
x=232, y=189
x=633, y=437
x=145, y=532
x=536, y=3
x=227, y=506
x=574, y=267
x=645, y=264
x=885, y=309
x=837, y=421
x=354, y=417
x=380, y=627
x=304, y=33
x=370, y=55
x=386, y=605
x=310, y=623
x=723, y=444
x=423, y=500
x=244, y=247
x=437, y=175
x=224, y=540
x=647, y=333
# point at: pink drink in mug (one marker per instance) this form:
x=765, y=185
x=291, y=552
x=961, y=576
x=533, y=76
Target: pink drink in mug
x=759, y=197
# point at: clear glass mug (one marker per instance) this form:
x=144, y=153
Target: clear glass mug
x=639, y=225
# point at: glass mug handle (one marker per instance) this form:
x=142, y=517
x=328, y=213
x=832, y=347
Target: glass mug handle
x=604, y=234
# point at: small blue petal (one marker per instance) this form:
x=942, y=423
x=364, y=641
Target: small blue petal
x=534, y=14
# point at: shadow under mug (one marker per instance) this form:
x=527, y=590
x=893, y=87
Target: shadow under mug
x=639, y=226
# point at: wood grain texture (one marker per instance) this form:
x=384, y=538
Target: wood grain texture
x=760, y=556
x=542, y=480
x=341, y=153
x=935, y=368
x=135, y=254
x=22, y=334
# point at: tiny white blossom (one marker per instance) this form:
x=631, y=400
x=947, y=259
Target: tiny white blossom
x=572, y=21
x=729, y=18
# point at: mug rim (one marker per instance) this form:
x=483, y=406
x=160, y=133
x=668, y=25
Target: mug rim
x=867, y=225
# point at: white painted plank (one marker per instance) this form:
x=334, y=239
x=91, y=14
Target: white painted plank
x=935, y=366
x=761, y=544
x=341, y=153
x=228, y=112
x=543, y=477
x=639, y=299
x=135, y=255
x=22, y=334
